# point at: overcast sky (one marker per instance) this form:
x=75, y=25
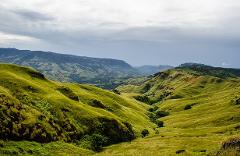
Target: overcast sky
x=137, y=31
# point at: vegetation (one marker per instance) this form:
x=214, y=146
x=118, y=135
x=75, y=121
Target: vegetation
x=213, y=117
x=187, y=107
x=159, y=123
x=230, y=147
x=105, y=73
x=44, y=114
x=36, y=109
x=145, y=133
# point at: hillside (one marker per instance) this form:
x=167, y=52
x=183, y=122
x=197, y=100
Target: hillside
x=149, y=69
x=186, y=110
x=106, y=73
x=198, y=106
x=81, y=118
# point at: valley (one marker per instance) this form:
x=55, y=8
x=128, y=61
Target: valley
x=189, y=110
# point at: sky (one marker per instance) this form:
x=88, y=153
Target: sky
x=140, y=32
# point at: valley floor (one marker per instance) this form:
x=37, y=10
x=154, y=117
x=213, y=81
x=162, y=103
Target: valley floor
x=171, y=142
x=167, y=143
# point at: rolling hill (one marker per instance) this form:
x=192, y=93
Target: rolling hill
x=189, y=110
x=198, y=107
x=105, y=73
x=35, y=111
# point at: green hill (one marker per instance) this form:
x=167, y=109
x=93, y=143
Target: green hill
x=105, y=73
x=34, y=108
x=186, y=110
x=197, y=105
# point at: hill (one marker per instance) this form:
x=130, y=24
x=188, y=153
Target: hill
x=149, y=69
x=57, y=118
x=197, y=107
x=106, y=73
x=182, y=111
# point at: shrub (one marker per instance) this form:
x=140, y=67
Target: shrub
x=98, y=141
x=152, y=117
x=116, y=91
x=231, y=143
x=144, y=99
x=93, y=142
x=160, y=123
x=180, y=151
x=187, y=107
x=97, y=103
x=160, y=114
x=146, y=88
x=152, y=109
x=36, y=74
x=68, y=93
x=238, y=101
x=230, y=147
x=145, y=133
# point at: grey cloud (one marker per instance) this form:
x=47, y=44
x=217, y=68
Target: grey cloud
x=137, y=45
x=33, y=15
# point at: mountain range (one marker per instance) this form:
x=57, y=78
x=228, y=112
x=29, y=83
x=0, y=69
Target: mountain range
x=102, y=72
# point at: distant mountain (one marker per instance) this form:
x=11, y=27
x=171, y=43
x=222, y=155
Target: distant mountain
x=106, y=73
x=149, y=69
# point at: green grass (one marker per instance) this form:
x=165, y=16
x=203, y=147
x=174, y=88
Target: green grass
x=199, y=130
x=69, y=115
x=33, y=148
x=36, y=109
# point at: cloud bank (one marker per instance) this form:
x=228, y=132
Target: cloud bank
x=139, y=31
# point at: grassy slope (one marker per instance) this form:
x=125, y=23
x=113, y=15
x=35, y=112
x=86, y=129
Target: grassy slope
x=214, y=115
x=34, y=108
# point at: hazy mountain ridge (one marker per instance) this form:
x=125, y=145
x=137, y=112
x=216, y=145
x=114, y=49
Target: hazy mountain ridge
x=151, y=69
x=70, y=68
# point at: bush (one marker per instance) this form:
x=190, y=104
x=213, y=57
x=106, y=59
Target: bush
x=160, y=123
x=68, y=93
x=230, y=147
x=145, y=133
x=98, y=141
x=187, y=107
x=160, y=114
x=144, y=99
x=180, y=151
x=98, y=104
x=152, y=109
x=116, y=91
x=93, y=142
x=146, y=88
x=152, y=117
x=231, y=143
x=238, y=101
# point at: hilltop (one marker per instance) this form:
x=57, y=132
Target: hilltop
x=105, y=73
